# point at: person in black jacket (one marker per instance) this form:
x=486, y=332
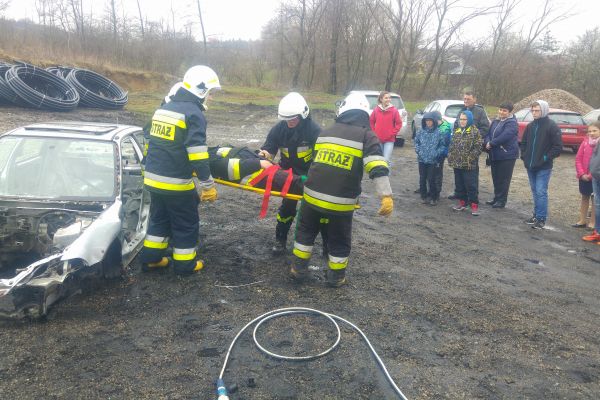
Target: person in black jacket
x=540, y=145
x=176, y=150
x=294, y=136
x=502, y=146
x=343, y=153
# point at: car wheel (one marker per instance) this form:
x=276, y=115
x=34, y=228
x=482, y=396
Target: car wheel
x=399, y=142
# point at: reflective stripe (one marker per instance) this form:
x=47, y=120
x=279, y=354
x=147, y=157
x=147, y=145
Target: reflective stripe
x=367, y=160
x=170, y=117
x=284, y=151
x=223, y=151
x=233, y=169
x=327, y=205
x=197, y=149
x=168, y=183
x=284, y=220
x=342, y=149
x=324, y=221
x=156, y=242
x=373, y=164
x=302, y=251
x=304, y=152
x=198, y=156
x=345, y=201
x=248, y=178
x=184, y=254
x=338, y=262
x=342, y=142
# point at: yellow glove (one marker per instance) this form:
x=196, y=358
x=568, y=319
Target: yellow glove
x=209, y=194
x=387, y=206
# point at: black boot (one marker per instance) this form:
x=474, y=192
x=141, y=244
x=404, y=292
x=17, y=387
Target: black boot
x=336, y=277
x=299, y=271
x=279, y=248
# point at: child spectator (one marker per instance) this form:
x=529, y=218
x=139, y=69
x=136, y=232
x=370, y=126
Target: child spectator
x=430, y=147
x=594, y=132
x=445, y=129
x=463, y=156
x=582, y=168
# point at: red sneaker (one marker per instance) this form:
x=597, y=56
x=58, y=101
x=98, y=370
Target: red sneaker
x=460, y=206
x=594, y=237
x=474, y=209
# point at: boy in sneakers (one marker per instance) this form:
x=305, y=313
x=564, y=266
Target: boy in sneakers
x=540, y=145
x=463, y=156
x=430, y=148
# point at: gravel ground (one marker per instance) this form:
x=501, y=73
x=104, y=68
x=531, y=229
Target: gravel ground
x=458, y=307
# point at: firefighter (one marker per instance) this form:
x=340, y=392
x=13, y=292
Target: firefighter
x=177, y=149
x=294, y=137
x=343, y=152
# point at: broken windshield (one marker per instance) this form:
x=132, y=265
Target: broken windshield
x=56, y=168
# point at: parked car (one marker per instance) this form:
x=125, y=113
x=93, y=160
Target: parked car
x=372, y=96
x=448, y=108
x=571, y=124
x=592, y=116
x=72, y=208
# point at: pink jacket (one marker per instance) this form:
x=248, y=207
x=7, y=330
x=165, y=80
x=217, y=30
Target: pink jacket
x=583, y=157
x=386, y=123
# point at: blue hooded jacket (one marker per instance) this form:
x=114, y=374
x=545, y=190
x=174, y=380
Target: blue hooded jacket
x=429, y=143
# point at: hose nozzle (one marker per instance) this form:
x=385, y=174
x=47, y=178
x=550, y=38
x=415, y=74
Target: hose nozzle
x=221, y=390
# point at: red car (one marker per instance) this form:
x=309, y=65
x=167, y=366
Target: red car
x=571, y=124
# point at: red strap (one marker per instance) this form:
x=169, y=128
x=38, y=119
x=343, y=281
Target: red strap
x=269, y=173
x=288, y=182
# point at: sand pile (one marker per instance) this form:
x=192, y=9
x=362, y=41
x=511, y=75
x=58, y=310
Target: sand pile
x=557, y=98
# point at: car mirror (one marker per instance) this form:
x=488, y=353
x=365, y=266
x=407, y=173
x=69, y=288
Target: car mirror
x=338, y=103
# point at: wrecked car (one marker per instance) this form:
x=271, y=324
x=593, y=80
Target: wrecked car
x=72, y=208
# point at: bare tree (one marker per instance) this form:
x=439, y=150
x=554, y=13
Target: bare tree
x=393, y=34
x=549, y=15
x=201, y=25
x=141, y=19
x=112, y=17
x=446, y=30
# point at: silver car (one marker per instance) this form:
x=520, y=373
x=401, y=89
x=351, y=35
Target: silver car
x=72, y=208
x=448, y=108
x=592, y=116
x=373, y=95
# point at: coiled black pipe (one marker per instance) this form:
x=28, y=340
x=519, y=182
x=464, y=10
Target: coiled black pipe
x=41, y=89
x=6, y=93
x=97, y=91
x=59, y=70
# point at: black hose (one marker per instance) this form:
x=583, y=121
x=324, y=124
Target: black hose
x=97, y=91
x=41, y=89
x=60, y=70
x=7, y=95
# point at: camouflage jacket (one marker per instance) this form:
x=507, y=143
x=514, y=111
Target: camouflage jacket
x=465, y=148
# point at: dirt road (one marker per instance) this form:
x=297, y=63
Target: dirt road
x=458, y=307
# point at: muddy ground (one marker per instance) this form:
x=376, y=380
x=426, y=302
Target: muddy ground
x=458, y=307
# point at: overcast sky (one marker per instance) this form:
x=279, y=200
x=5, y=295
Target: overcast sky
x=244, y=19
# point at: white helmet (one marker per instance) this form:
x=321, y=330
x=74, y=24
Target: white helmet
x=199, y=80
x=172, y=92
x=292, y=105
x=354, y=101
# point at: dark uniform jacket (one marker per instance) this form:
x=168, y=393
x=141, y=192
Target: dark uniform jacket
x=177, y=146
x=343, y=152
x=295, y=145
x=541, y=143
x=241, y=165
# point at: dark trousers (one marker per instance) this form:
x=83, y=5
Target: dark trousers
x=430, y=177
x=439, y=177
x=285, y=217
x=466, y=185
x=174, y=217
x=502, y=171
x=338, y=235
